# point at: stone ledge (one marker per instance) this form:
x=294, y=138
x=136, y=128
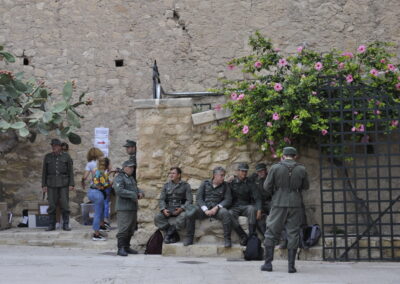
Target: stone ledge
x=209, y=116
x=162, y=103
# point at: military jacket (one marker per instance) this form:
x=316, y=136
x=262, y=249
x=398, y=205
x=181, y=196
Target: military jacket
x=209, y=196
x=245, y=192
x=175, y=195
x=265, y=199
x=57, y=170
x=132, y=158
x=127, y=192
x=284, y=189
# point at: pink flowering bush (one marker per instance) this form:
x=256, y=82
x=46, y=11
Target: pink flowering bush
x=282, y=104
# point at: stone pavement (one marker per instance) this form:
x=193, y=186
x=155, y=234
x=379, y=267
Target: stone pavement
x=31, y=264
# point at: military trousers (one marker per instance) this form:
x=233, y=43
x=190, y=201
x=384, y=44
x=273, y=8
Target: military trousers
x=222, y=215
x=288, y=218
x=55, y=194
x=162, y=222
x=243, y=210
x=126, y=222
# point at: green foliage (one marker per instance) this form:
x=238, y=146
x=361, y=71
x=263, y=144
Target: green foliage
x=282, y=104
x=26, y=109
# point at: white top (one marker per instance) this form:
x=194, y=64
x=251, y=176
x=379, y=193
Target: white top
x=90, y=167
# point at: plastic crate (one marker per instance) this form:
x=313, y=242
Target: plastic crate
x=87, y=210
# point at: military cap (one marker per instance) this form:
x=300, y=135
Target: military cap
x=261, y=166
x=243, y=167
x=289, y=151
x=130, y=143
x=128, y=163
x=55, y=141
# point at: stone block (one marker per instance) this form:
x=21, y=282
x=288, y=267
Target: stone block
x=203, y=117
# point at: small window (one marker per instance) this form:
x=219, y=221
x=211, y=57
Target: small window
x=26, y=61
x=119, y=63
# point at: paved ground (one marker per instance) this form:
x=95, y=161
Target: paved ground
x=28, y=264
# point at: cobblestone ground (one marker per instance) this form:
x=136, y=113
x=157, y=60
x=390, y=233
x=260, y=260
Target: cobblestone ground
x=26, y=264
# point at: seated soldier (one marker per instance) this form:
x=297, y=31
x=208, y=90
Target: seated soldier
x=243, y=193
x=175, y=196
x=213, y=197
x=258, y=178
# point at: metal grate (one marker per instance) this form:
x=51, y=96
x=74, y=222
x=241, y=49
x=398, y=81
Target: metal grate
x=359, y=175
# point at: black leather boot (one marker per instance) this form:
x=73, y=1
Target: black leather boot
x=227, y=236
x=52, y=223
x=242, y=236
x=190, y=229
x=169, y=236
x=252, y=229
x=121, y=250
x=291, y=260
x=65, y=217
x=128, y=248
x=269, y=257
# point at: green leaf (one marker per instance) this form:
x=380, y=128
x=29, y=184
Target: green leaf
x=42, y=129
x=47, y=116
x=4, y=125
x=59, y=107
x=20, y=86
x=57, y=118
x=7, y=56
x=18, y=125
x=74, y=138
x=23, y=132
x=67, y=91
x=73, y=119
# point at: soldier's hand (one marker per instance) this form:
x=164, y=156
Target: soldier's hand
x=166, y=213
x=71, y=188
x=230, y=179
x=44, y=188
x=258, y=216
x=209, y=212
x=177, y=211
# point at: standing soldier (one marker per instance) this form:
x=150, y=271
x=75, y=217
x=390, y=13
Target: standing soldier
x=244, y=192
x=259, y=179
x=57, y=181
x=213, y=197
x=130, y=147
x=175, y=196
x=285, y=182
x=127, y=205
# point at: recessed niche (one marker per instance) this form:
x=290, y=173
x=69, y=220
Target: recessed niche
x=119, y=63
x=26, y=61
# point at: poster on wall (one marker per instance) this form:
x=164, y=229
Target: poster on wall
x=101, y=139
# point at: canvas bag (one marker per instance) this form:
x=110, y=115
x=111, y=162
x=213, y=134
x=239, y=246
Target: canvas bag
x=154, y=244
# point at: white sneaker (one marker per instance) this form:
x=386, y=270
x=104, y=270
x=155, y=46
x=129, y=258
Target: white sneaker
x=98, y=238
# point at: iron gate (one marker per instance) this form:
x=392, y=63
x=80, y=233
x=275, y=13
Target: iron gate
x=360, y=174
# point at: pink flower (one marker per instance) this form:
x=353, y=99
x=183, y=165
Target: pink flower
x=374, y=72
x=355, y=112
x=324, y=132
x=377, y=103
x=276, y=116
x=378, y=112
x=394, y=123
x=348, y=54
x=252, y=87
x=218, y=107
x=383, y=60
x=341, y=65
x=361, y=49
x=282, y=62
x=318, y=66
x=300, y=49
x=241, y=97
x=391, y=67
x=353, y=129
x=278, y=87
x=269, y=124
x=287, y=140
x=295, y=117
x=274, y=156
x=245, y=129
x=361, y=128
x=231, y=67
x=271, y=142
x=398, y=78
x=234, y=96
x=398, y=86
x=349, y=78
x=277, y=49
x=314, y=93
x=258, y=64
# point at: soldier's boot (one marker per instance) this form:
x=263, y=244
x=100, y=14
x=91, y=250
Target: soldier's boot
x=52, y=223
x=127, y=247
x=227, y=236
x=291, y=260
x=170, y=235
x=121, y=250
x=190, y=228
x=252, y=229
x=166, y=237
x=65, y=217
x=269, y=257
x=242, y=236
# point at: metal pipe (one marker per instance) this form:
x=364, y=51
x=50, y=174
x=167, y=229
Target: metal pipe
x=193, y=94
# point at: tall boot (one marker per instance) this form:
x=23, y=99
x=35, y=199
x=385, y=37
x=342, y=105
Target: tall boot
x=269, y=257
x=127, y=246
x=252, y=229
x=190, y=229
x=291, y=260
x=166, y=237
x=121, y=249
x=242, y=235
x=170, y=235
x=65, y=217
x=52, y=223
x=227, y=236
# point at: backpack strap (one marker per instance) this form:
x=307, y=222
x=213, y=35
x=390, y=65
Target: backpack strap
x=290, y=168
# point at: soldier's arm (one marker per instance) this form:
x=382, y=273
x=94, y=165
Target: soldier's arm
x=227, y=197
x=162, y=201
x=256, y=196
x=189, y=196
x=200, y=196
x=269, y=183
x=71, y=181
x=44, y=172
x=120, y=189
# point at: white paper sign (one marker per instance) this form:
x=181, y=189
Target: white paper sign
x=101, y=139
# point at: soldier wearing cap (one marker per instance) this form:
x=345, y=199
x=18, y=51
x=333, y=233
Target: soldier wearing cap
x=130, y=147
x=57, y=181
x=259, y=177
x=244, y=192
x=175, y=196
x=285, y=182
x=128, y=195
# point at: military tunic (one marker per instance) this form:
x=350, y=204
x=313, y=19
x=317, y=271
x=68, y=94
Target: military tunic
x=132, y=158
x=57, y=176
x=265, y=203
x=286, y=205
x=173, y=196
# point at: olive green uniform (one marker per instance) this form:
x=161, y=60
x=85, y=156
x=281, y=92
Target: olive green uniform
x=127, y=205
x=57, y=176
x=265, y=203
x=132, y=158
x=173, y=196
x=286, y=205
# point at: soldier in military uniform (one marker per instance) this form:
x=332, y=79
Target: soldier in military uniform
x=130, y=147
x=259, y=178
x=213, y=198
x=57, y=181
x=175, y=196
x=244, y=192
x=285, y=182
x=128, y=195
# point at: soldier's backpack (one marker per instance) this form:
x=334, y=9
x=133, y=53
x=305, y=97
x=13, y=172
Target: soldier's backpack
x=309, y=236
x=254, y=251
x=154, y=244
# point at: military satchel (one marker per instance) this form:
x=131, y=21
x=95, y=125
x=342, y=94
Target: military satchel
x=253, y=251
x=154, y=244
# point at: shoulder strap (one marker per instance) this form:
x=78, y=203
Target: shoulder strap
x=290, y=168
